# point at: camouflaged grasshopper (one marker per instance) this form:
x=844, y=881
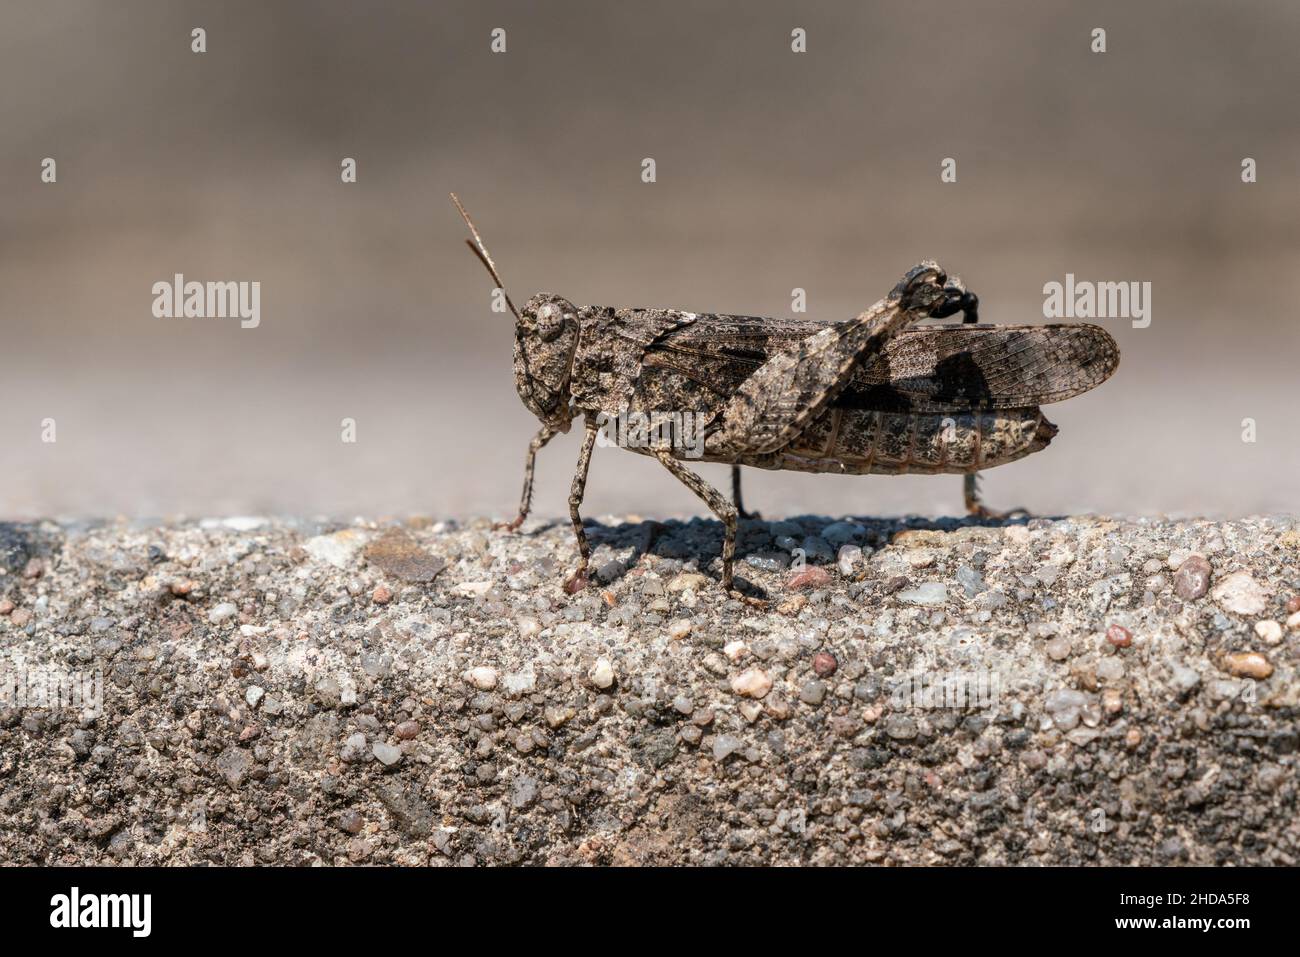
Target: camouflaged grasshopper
x=867, y=396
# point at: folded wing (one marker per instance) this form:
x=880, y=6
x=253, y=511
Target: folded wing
x=928, y=368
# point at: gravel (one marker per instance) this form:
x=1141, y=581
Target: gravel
x=1084, y=690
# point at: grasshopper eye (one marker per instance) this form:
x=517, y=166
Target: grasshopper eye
x=550, y=321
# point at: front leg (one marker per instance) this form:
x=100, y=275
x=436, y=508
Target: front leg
x=578, y=580
x=526, y=500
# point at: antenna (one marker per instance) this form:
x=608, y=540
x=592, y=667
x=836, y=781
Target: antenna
x=484, y=256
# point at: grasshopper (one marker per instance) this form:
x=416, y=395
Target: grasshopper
x=870, y=395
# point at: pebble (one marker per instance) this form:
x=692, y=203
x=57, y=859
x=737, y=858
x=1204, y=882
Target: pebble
x=386, y=754
x=810, y=576
x=927, y=593
x=1293, y=605
x=817, y=549
x=1240, y=594
x=482, y=677
x=1192, y=578
x=901, y=727
x=557, y=717
x=222, y=612
x=824, y=664
x=841, y=533
x=753, y=683
x=1064, y=705
x=1269, y=632
x=768, y=561
x=735, y=650
x=971, y=581
x=602, y=674
x=339, y=549
x=234, y=765
x=1058, y=649
x=693, y=581
x=813, y=692
x=406, y=730
x=1119, y=636
x=1248, y=664
x=848, y=559
x=1110, y=669
x=919, y=557
x=1184, y=678
x=382, y=595
x=397, y=554
x=528, y=626
x=519, y=683
x=725, y=745
x=1293, y=621
x=777, y=707
x=679, y=629
x=253, y=695
x=353, y=748
x=791, y=606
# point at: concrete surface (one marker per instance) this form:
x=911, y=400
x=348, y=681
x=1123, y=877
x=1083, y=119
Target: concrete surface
x=281, y=692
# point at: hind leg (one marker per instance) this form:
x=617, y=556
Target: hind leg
x=735, y=496
x=967, y=303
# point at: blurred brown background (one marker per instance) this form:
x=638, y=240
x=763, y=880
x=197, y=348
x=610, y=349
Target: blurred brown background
x=775, y=170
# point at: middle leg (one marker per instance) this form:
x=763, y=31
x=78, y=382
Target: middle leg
x=718, y=504
x=735, y=496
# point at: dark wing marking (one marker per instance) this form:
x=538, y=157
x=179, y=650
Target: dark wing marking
x=994, y=367
x=926, y=368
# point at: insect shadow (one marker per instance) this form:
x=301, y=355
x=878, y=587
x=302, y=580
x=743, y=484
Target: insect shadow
x=699, y=539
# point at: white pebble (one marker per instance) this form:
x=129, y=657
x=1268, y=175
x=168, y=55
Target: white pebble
x=1269, y=631
x=1240, y=594
x=601, y=673
x=482, y=677
x=222, y=612
x=753, y=683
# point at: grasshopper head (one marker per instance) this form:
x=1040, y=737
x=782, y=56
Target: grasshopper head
x=546, y=337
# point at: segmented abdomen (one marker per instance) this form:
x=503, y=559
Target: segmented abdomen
x=891, y=443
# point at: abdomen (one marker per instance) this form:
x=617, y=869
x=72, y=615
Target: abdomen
x=862, y=441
